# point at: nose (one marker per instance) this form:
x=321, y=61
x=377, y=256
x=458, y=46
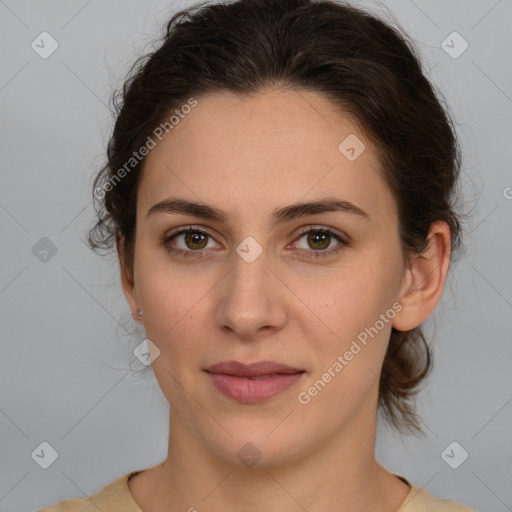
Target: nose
x=251, y=299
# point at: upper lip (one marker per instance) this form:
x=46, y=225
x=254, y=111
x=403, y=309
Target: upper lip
x=251, y=370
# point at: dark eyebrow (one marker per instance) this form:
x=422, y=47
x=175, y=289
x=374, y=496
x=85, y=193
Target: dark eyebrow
x=294, y=211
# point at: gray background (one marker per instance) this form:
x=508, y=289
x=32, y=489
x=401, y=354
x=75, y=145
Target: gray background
x=66, y=376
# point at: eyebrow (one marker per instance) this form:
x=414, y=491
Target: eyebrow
x=279, y=215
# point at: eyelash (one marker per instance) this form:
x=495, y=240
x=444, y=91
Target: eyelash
x=312, y=254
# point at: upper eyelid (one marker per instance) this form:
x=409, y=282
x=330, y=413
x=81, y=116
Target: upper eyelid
x=185, y=229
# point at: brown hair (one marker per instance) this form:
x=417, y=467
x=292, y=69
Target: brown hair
x=361, y=63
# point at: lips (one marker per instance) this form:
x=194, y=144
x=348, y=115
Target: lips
x=253, y=370
x=253, y=383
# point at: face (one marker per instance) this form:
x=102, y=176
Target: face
x=251, y=284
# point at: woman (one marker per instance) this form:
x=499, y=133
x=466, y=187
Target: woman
x=279, y=187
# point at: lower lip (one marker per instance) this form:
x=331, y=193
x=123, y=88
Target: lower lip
x=248, y=390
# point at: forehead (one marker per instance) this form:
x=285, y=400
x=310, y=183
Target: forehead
x=267, y=149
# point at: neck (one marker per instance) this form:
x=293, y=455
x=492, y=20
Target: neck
x=339, y=474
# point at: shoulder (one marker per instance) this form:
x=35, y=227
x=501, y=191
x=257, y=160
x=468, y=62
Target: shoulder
x=114, y=497
x=419, y=500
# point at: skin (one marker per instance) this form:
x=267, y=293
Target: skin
x=248, y=156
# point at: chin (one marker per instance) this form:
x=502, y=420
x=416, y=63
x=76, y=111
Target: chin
x=257, y=448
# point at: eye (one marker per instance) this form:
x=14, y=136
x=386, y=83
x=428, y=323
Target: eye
x=195, y=241
x=319, y=239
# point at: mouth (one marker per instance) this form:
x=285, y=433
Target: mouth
x=257, y=369
x=255, y=382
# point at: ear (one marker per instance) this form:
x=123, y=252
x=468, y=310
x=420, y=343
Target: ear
x=424, y=281
x=127, y=281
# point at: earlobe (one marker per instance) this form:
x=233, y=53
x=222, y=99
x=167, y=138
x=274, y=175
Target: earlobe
x=425, y=279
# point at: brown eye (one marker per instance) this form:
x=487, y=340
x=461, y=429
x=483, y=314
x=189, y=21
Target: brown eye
x=195, y=239
x=319, y=239
x=188, y=242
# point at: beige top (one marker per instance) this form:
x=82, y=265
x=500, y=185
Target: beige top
x=116, y=497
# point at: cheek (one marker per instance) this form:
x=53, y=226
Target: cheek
x=172, y=322
x=347, y=299
x=172, y=313
x=165, y=297
x=351, y=305
x=166, y=293
x=348, y=364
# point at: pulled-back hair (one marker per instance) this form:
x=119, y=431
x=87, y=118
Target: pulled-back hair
x=365, y=66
